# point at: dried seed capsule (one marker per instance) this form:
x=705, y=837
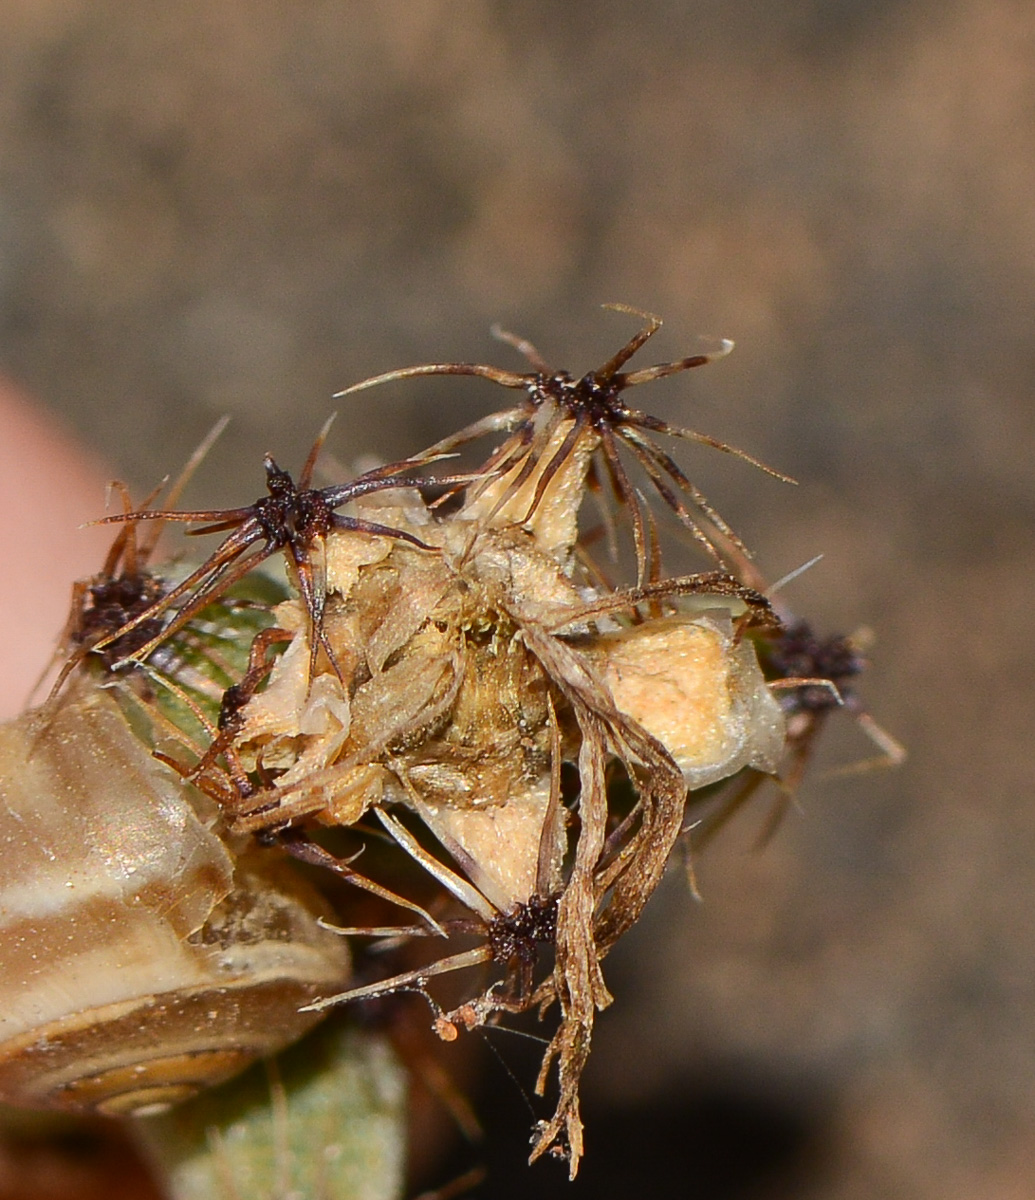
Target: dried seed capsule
x=471, y=673
x=142, y=959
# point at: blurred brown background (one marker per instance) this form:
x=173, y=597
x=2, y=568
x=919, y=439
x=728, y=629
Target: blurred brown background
x=218, y=206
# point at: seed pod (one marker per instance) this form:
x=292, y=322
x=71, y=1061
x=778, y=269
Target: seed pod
x=142, y=959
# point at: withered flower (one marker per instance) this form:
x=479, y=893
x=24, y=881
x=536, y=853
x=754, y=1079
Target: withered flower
x=465, y=677
x=456, y=681
x=292, y=518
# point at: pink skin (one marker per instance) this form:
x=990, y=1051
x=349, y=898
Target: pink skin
x=48, y=487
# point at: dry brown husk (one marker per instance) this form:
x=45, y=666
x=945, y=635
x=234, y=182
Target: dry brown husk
x=460, y=674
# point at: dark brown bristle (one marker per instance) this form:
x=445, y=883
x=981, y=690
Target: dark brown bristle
x=291, y=518
x=595, y=403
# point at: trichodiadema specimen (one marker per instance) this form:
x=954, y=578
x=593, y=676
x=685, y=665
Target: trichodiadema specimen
x=454, y=709
x=569, y=425
x=464, y=669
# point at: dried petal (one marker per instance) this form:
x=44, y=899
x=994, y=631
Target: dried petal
x=699, y=692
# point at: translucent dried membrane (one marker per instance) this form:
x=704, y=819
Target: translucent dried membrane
x=813, y=676
x=691, y=684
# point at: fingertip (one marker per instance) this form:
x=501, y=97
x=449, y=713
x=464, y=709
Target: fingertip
x=49, y=486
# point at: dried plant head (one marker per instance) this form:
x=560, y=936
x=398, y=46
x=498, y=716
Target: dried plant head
x=567, y=426
x=449, y=706
x=458, y=680
x=438, y=710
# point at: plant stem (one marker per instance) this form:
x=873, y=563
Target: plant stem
x=323, y=1121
